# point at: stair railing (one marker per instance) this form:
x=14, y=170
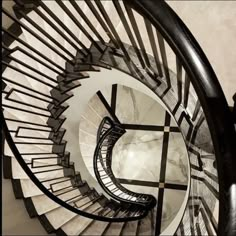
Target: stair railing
x=107, y=136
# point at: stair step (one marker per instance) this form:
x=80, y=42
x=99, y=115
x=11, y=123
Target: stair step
x=61, y=216
x=146, y=227
x=40, y=172
x=29, y=189
x=78, y=224
x=43, y=204
x=95, y=228
x=130, y=228
x=113, y=229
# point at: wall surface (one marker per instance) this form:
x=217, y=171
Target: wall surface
x=213, y=23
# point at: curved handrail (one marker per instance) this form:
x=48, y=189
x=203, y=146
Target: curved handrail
x=107, y=138
x=211, y=96
x=135, y=215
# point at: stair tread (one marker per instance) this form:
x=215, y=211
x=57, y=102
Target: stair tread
x=114, y=229
x=52, y=172
x=29, y=189
x=61, y=217
x=130, y=228
x=43, y=204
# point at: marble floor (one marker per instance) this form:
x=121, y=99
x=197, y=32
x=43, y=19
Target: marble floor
x=151, y=156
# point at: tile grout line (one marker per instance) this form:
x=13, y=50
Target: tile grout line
x=113, y=97
x=162, y=176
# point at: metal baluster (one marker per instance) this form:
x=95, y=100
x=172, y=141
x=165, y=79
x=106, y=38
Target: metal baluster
x=79, y=25
x=59, y=22
x=128, y=31
x=32, y=49
x=87, y=21
x=34, y=34
x=32, y=90
x=196, y=110
x=58, y=31
x=186, y=90
x=179, y=79
x=164, y=58
x=27, y=74
x=102, y=23
x=153, y=46
x=23, y=110
x=41, y=30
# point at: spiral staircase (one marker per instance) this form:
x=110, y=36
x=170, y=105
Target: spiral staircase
x=47, y=54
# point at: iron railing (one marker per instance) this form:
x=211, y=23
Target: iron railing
x=107, y=136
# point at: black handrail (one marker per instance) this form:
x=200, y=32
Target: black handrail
x=135, y=214
x=198, y=72
x=211, y=97
x=107, y=136
x=131, y=212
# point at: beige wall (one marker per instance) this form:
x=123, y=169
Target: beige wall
x=213, y=23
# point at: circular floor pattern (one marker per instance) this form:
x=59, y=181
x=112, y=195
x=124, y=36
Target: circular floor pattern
x=151, y=157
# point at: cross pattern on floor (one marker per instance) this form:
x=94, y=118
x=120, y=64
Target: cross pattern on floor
x=167, y=129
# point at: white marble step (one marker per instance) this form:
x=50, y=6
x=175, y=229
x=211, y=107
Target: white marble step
x=89, y=123
x=87, y=138
x=35, y=148
x=97, y=227
x=61, y=216
x=12, y=74
x=78, y=223
x=65, y=43
x=51, y=172
x=92, y=116
x=25, y=80
x=92, y=19
x=67, y=21
x=43, y=204
x=43, y=162
x=43, y=157
x=23, y=116
x=28, y=133
x=63, y=17
x=18, y=96
x=14, y=106
x=21, y=56
x=97, y=106
x=146, y=227
x=7, y=150
x=40, y=45
x=29, y=149
x=88, y=126
x=82, y=36
x=32, y=140
x=130, y=228
x=28, y=98
x=117, y=22
x=29, y=189
x=30, y=61
x=55, y=35
x=26, y=129
x=114, y=229
x=35, y=74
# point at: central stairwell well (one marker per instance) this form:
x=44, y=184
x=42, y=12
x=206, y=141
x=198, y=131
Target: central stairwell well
x=49, y=50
